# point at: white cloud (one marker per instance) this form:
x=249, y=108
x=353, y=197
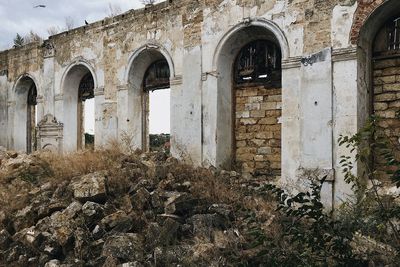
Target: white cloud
x=20, y=16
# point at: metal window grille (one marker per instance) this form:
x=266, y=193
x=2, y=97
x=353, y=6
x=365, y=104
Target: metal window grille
x=86, y=87
x=394, y=34
x=259, y=62
x=157, y=76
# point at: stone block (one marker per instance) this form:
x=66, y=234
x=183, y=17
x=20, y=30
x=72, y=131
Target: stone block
x=391, y=87
x=252, y=106
x=269, y=121
x=258, y=158
x=385, y=97
x=250, y=92
x=255, y=99
x=246, y=150
x=244, y=136
x=257, y=113
x=244, y=157
x=386, y=114
x=275, y=165
x=391, y=71
x=385, y=80
x=262, y=164
x=264, y=150
x=247, y=121
x=240, y=107
x=241, y=144
x=380, y=106
x=268, y=105
x=123, y=246
x=395, y=104
x=257, y=142
x=253, y=128
x=90, y=187
x=274, y=98
x=242, y=114
x=264, y=135
x=378, y=89
x=240, y=128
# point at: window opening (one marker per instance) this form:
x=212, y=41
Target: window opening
x=31, y=119
x=86, y=106
x=157, y=76
x=259, y=62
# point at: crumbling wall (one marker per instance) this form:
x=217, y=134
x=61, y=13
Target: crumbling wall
x=190, y=34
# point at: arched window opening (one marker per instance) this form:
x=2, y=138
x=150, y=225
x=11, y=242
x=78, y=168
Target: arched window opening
x=157, y=76
x=31, y=119
x=259, y=62
x=156, y=86
x=86, y=110
x=387, y=41
x=257, y=107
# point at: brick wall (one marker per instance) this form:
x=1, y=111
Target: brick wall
x=364, y=9
x=257, y=131
x=387, y=106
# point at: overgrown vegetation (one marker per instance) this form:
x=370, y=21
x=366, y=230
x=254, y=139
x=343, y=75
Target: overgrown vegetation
x=263, y=225
x=160, y=142
x=363, y=231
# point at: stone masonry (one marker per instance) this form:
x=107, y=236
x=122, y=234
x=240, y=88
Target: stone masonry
x=387, y=107
x=258, y=131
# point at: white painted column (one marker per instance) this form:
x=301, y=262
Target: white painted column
x=316, y=112
x=98, y=129
x=291, y=102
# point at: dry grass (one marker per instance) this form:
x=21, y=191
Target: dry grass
x=65, y=167
x=17, y=187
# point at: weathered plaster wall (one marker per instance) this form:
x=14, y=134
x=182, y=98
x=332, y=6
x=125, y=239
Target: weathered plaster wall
x=321, y=96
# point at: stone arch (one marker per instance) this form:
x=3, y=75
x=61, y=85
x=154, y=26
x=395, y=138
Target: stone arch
x=138, y=100
x=364, y=35
x=227, y=107
x=149, y=47
x=363, y=12
x=24, y=123
x=268, y=25
x=72, y=107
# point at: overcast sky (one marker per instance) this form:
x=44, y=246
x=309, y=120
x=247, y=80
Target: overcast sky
x=20, y=16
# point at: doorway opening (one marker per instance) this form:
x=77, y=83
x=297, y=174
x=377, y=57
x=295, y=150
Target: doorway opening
x=157, y=105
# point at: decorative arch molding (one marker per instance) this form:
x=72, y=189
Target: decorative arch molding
x=150, y=46
x=79, y=61
x=20, y=78
x=268, y=25
x=72, y=107
x=134, y=97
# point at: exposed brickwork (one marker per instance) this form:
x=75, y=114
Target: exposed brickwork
x=257, y=131
x=364, y=10
x=387, y=105
x=192, y=25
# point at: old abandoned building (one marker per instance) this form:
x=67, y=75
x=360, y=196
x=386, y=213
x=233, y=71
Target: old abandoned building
x=268, y=85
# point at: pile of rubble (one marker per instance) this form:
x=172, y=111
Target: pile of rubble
x=158, y=221
x=141, y=210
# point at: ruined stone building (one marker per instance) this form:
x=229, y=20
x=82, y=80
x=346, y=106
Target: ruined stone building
x=268, y=85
